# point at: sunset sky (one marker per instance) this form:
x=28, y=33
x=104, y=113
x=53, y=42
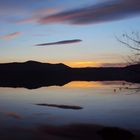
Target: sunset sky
x=79, y=33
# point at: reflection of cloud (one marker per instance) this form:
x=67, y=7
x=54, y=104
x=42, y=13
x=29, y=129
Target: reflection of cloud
x=10, y=36
x=61, y=106
x=87, y=131
x=13, y=115
x=101, y=12
x=60, y=42
x=70, y=132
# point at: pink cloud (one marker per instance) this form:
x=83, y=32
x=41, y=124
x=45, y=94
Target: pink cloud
x=113, y=65
x=39, y=14
x=102, y=12
x=10, y=36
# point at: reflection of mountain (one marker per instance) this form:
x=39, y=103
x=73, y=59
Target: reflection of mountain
x=33, y=74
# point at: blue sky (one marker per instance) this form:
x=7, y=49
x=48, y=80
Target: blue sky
x=25, y=24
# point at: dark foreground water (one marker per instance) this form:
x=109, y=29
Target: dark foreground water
x=52, y=112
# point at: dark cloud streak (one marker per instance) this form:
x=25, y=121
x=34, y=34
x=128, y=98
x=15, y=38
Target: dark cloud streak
x=60, y=42
x=101, y=12
x=61, y=106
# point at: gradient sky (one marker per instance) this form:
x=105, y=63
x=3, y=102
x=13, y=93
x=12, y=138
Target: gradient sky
x=75, y=32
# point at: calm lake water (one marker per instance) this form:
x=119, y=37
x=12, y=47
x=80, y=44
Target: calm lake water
x=102, y=103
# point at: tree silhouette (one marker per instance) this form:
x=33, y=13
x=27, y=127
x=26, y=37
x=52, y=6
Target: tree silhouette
x=132, y=41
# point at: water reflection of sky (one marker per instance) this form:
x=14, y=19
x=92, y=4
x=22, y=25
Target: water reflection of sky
x=101, y=105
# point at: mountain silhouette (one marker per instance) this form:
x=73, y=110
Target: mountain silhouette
x=32, y=74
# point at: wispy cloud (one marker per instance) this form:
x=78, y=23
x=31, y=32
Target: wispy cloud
x=113, y=64
x=14, y=11
x=60, y=42
x=102, y=12
x=10, y=36
x=40, y=35
x=39, y=14
x=15, y=6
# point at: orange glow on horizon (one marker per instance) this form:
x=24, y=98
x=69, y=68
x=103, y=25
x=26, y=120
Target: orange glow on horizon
x=76, y=64
x=83, y=64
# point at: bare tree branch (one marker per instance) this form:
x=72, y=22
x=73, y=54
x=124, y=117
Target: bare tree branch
x=132, y=42
x=128, y=45
x=132, y=39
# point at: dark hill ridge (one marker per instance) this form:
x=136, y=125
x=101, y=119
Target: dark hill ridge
x=32, y=65
x=32, y=74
